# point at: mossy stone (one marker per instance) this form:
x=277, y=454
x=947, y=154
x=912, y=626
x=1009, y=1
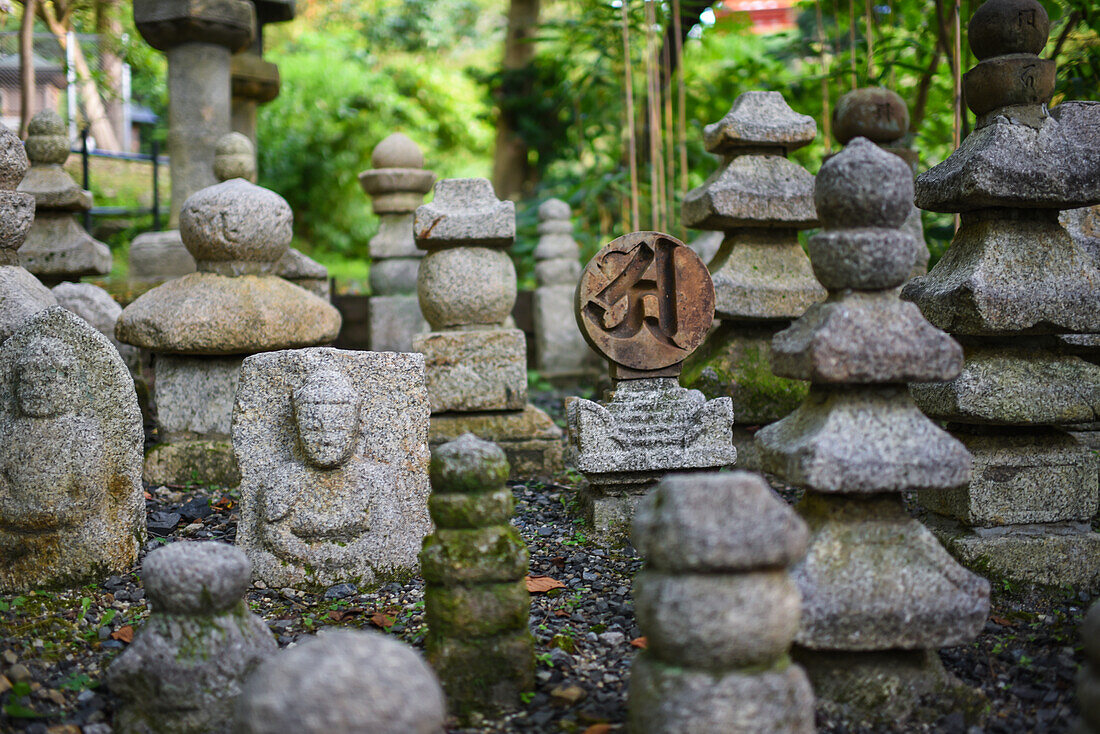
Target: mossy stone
x=484, y=555
x=458, y=510
x=484, y=675
x=477, y=611
x=468, y=464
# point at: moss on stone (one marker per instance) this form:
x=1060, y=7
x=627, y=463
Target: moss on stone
x=460, y=510
x=483, y=555
x=477, y=611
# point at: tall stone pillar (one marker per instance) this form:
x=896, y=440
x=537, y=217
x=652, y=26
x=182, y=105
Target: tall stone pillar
x=396, y=185
x=477, y=367
x=255, y=81
x=1011, y=284
x=762, y=279
x=198, y=39
x=879, y=594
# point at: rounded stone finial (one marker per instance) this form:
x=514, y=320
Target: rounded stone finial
x=397, y=151
x=468, y=464
x=195, y=577
x=1001, y=27
x=863, y=186
x=13, y=159
x=331, y=693
x=236, y=227
x=234, y=157
x=554, y=209
x=875, y=113
x=47, y=139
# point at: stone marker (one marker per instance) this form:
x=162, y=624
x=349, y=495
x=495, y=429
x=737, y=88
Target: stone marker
x=762, y=279
x=57, y=247
x=343, y=682
x=1088, y=677
x=718, y=610
x=1011, y=283
x=184, y=670
x=562, y=353
x=201, y=326
x=71, y=504
x=95, y=305
x=396, y=185
x=881, y=116
x=477, y=366
x=333, y=451
x=21, y=294
x=198, y=39
x=879, y=594
x=644, y=302
x=475, y=597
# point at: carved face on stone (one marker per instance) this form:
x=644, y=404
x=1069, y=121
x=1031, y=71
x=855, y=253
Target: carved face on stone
x=326, y=410
x=45, y=379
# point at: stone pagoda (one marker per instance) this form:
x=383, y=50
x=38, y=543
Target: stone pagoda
x=1011, y=285
x=201, y=326
x=879, y=593
x=198, y=38
x=57, y=247
x=253, y=80
x=644, y=302
x=881, y=116
x=21, y=294
x=762, y=279
x=396, y=185
x=1083, y=226
x=561, y=352
x=476, y=363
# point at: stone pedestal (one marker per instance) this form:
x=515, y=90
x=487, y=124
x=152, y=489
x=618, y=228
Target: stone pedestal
x=877, y=588
x=396, y=185
x=1011, y=288
x=762, y=278
x=476, y=367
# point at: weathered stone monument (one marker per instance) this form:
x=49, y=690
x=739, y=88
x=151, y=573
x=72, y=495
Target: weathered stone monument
x=57, y=248
x=562, y=353
x=95, y=305
x=644, y=302
x=71, y=504
x=253, y=80
x=881, y=116
x=1088, y=677
x=342, y=682
x=198, y=39
x=396, y=184
x=879, y=594
x=718, y=609
x=21, y=294
x=1083, y=226
x=475, y=598
x=762, y=279
x=1013, y=282
x=201, y=326
x=184, y=670
x=477, y=366
x=333, y=451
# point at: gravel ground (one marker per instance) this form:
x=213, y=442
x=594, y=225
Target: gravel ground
x=55, y=646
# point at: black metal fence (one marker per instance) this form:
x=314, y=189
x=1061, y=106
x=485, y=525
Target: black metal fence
x=117, y=212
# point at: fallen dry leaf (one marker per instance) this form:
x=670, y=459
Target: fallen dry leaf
x=598, y=729
x=542, y=584
x=561, y=613
x=124, y=634
x=640, y=642
x=1002, y=621
x=382, y=620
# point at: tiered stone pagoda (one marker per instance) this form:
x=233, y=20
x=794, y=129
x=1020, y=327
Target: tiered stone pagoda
x=476, y=364
x=644, y=302
x=762, y=279
x=253, y=80
x=879, y=593
x=1012, y=283
x=396, y=185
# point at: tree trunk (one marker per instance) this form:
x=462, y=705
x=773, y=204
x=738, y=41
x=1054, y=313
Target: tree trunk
x=26, y=68
x=512, y=172
x=108, y=25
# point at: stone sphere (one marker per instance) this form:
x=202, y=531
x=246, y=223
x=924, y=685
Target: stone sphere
x=554, y=209
x=13, y=159
x=875, y=113
x=47, y=138
x=236, y=221
x=343, y=682
x=468, y=464
x=863, y=186
x=464, y=286
x=234, y=157
x=195, y=577
x=397, y=151
x=1002, y=27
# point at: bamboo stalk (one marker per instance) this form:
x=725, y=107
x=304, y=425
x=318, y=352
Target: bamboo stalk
x=669, y=179
x=653, y=117
x=869, y=22
x=827, y=121
x=681, y=98
x=852, y=37
x=632, y=143
x=957, y=51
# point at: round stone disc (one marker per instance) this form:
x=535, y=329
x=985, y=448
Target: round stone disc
x=645, y=301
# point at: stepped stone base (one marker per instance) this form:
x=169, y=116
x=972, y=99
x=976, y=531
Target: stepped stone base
x=529, y=438
x=192, y=461
x=886, y=687
x=1056, y=555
